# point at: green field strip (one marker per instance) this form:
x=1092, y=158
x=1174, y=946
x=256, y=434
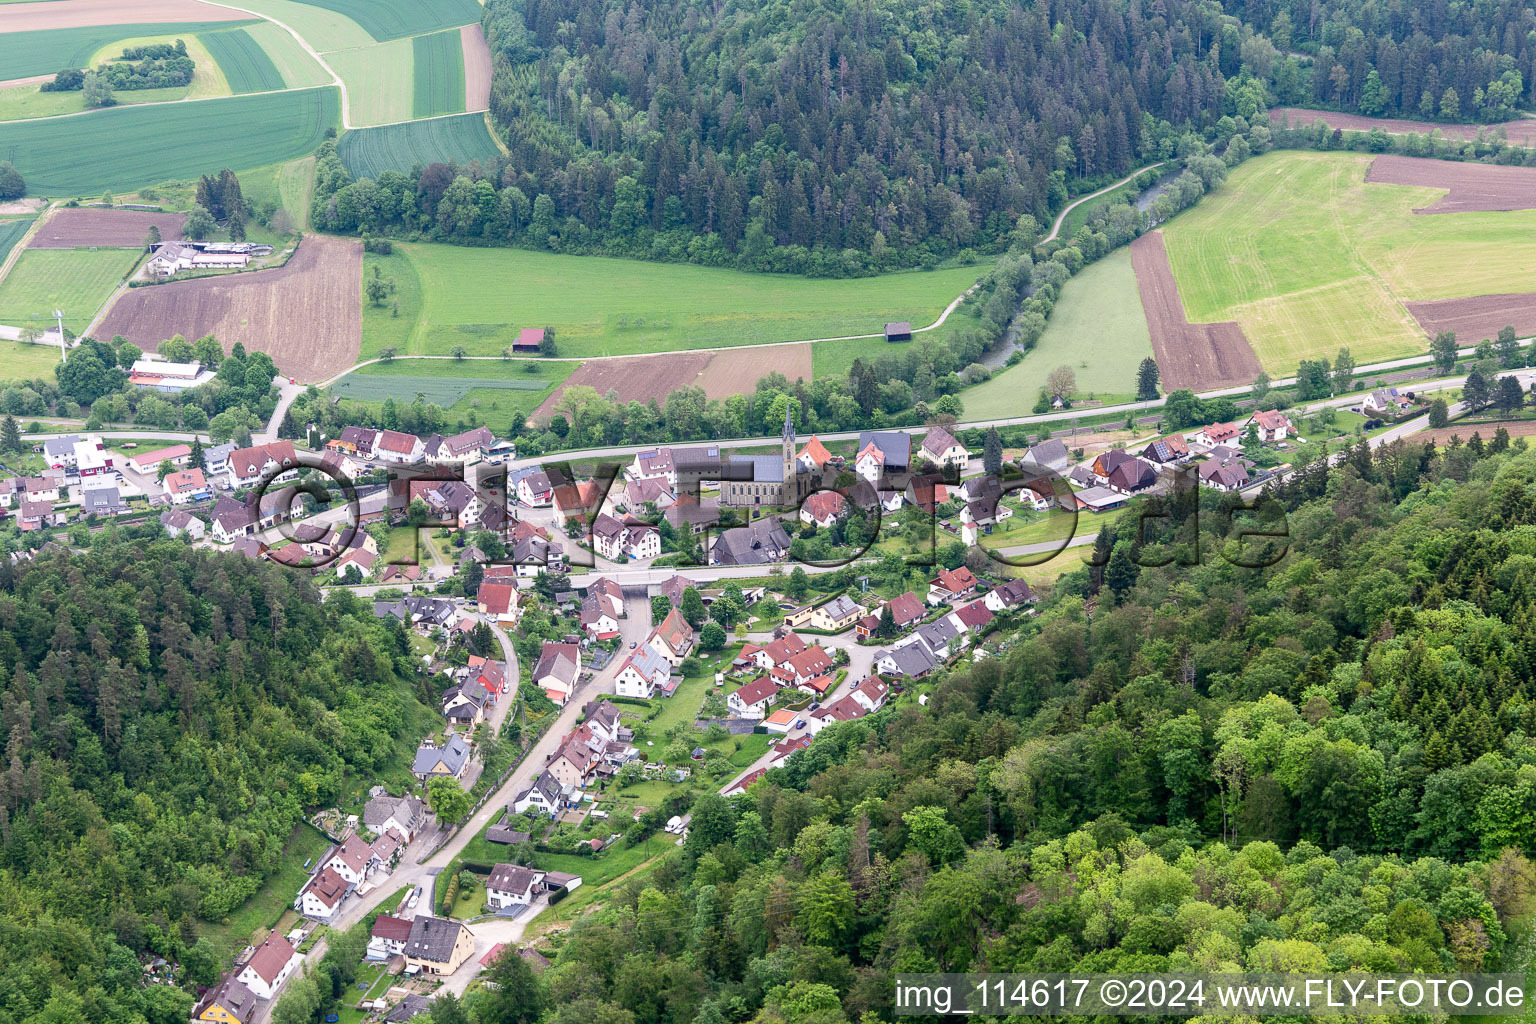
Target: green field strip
x=78, y=281
x=298, y=68
x=124, y=148
x=439, y=74
x=396, y=19
x=50, y=50
x=322, y=29
x=11, y=232
x=379, y=80
x=246, y=65
x=369, y=152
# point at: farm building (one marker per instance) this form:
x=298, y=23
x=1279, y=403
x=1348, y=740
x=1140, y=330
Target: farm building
x=901, y=330
x=174, y=257
x=161, y=375
x=528, y=339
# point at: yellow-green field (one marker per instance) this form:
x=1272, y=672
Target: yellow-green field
x=299, y=69
x=380, y=80
x=1308, y=258
x=208, y=80
x=78, y=281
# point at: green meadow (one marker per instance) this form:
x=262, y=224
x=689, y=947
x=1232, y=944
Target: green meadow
x=78, y=281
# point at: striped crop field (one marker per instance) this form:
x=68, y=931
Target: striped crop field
x=439, y=74
x=246, y=65
x=11, y=232
x=369, y=152
x=441, y=391
x=395, y=19
x=124, y=148
x=47, y=51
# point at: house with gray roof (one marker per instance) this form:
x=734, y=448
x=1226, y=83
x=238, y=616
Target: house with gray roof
x=448, y=760
x=911, y=660
x=759, y=543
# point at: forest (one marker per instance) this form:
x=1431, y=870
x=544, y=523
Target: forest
x=1326, y=765
x=169, y=714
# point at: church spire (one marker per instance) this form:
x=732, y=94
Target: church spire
x=789, y=426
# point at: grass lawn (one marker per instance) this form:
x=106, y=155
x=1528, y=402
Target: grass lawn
x=379, y=80
x=497, y=390
x=286, y=185
x=382, y=329
x=24, y=101
x=834, y=358
x=275, y=895
x=25, y=362
x=1097, y=328
x=479, y=298
x=1307, y=257
x=1033, y=528
x=77, y=281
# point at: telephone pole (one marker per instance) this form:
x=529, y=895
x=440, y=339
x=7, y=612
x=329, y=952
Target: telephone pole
x=63, y=346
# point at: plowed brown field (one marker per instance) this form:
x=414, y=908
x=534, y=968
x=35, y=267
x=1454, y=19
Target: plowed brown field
x=477, y=68
x=1200, y=357
x=34, y=17
x=1478, y=317
x=733, y=371
x=70, y=228
x=306, y=314
x=1521, y=133
x=1474, y=188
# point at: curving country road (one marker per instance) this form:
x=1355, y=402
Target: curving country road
x=1062, y=216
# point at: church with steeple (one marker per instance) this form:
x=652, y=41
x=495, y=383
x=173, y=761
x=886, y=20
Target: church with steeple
x=771, y=481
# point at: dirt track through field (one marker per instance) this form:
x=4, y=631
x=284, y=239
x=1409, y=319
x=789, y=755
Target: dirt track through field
x=1200, y=357
x=45, y=14
x=477, y=68
x=1478, y=317
x=1474, y=188
x=306, y=314
x=1520, y=133
x=723, y=373
x=70, y=228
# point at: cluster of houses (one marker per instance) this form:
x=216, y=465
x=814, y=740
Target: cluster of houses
x=172, y=258
x=929, y=641
x=595, y=749
x=258, y=976
x=80, y=470
x=351, y=865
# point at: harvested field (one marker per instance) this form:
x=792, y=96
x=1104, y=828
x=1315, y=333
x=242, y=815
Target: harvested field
x=1478, y=317
x=1441, y=435
x=36, y=17
x=1473, y=188
x=1520, y=133
x=1200, y=357
x=477, y=68
x=112, y=229
x=728, y=372
x=306, y=314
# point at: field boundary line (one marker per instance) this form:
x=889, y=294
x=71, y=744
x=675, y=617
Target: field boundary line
x=167, y=103
x=1062, y=216
x=25, y=240
x=346, y=101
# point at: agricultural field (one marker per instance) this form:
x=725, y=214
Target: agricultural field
x=298, y=68
x=129, y=147
x=439, y=74
x=369, y=152
x=46, y=51
x=479, y=298
x=19, y=361
x=512, y=384
x=380, y=81
x=207, y=81
x=77, y=281
x=11, y=232
x=1307, y=256
x=246, y=66
x=304, y=314
x=122, y=229
x=322, y=29
x=394, y=19
x=287, y=185
x=1097, y=328
x=20, y=102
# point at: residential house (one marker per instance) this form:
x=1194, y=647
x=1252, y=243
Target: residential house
x=596, y=618
x=823, y=509
x=781, y=721
x=744, y=783
x=672, y=589
x=1224, y=474
x=907, y=610
x=273, y=963
x=557, y=670
x=844, y=709
x=216, y=460
x=38, y=515
x=186, y=485
x=102, y=501
x=871, y=694
x=940, y=447
x=882, y=451
x=650, y=491
x=1009, y=595
x=643, y=674
x=1051, y=456
x=814, y=456
x=532, y=487
x=398, y=449
x=1100, y=499
x=799, y=669
x=178, y=523
x=358, y=441
x=248, y=466
x=628, y=538
x=752, y=700
x=229, y=1002
x=1272, y=425
x=691, y=517
x=941, y=636
x=973, y=617
x=384, y=852
x=437, y=945
x=404, y=814
x=388, y=937
x=498, y=602
x=911, y=661
x=59, y=452
x=673, y=639
x=1386, y=403
x=178, y=455
x=322, y=895
x=654, y=464
x=1131, y=476
x=351, y=860
x=952, y=585
x=465, y=705
x=512, y=885
x=761, y=542
x=39, y=488
x=835, y=615
x=1166, y=450
x=448, y=760
x=1213, y=434
x=775, y=653
x=407, y=1009
x=927, y=491
x=543, y=794
x=470, y=446
x=572, y=763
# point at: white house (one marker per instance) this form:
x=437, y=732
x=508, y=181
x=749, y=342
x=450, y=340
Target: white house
x=399, y=449
x=545, y=794
x=512, y=885
x=350, y=860
x=322, y=895
x=642, y=674
x=186, y=485
x=752, y=700
x=248, y=465
x=387, y=937
x=941, y=448
x=273, y=963
x=1272, y=425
